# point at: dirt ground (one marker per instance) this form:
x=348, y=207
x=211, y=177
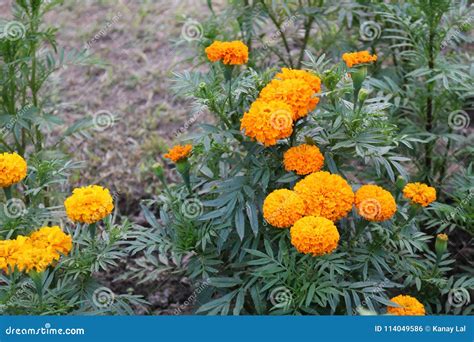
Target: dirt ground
x=136, y=44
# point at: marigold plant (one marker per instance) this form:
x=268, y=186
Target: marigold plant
x=375, y=203
x=303, y=159
x=282, y=208
x=419, y=193
x=233, y=53
x=89, y=204
x=314, y=235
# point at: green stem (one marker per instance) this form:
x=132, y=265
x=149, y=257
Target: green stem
x=93, y=230
x=8, y=193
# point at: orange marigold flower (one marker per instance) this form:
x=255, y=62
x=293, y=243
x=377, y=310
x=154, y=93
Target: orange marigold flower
x=311, y=79
x=36, y=252
x=409, y=306
x=297, y=93
x=179, y=152
x=12, y=169
x=89, y=204
x=303, y=159
x=355, y=58
x=314, y=235
x=232, y=53
x=326, y=195
x=419, y=193
x=375, y=203
x=267, y=122
x=282, y=208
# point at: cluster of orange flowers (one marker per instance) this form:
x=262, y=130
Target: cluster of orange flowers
x=326, y=195
x=231, y=53
x=360, y=57
x=35, y=252
x=291, y=95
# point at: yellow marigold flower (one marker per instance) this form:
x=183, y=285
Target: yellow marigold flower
x=36, y=252
x=303, y=159
x=12, y=169
x=89, y=204
x=179, y=152
x=267, y=122
x=53, y=238
x=297, y=93
x=232, y=53
x=419, y=193
x=375, y=203
x=409, y=306
x=326, y=195
x=282, y=208
x=312, y=80
x=314, y=235
x=355, y=58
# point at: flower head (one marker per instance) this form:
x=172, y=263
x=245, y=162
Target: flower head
x=35, y=252
x=375, y=203
x=232, y=53
x=282, y=208
x=297, y=93
x=303, y=159
x=409, y=306
x=293, y=74
x=314, y=235
x=89, y=204
x=419, y=193
x=267, y=122
x=179, y=152
x=12, y=169
x=360, y=57
x=326, y=195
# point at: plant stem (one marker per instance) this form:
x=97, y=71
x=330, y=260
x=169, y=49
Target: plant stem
x=8, y=193
x=278, y=26
x=307, y=28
